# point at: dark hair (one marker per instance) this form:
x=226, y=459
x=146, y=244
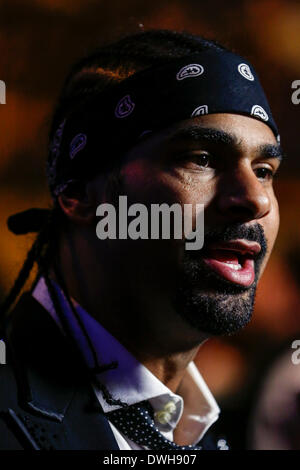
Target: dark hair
x=115, y=62
x=89, y=77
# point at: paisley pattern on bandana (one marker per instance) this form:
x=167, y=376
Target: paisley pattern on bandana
x=212, y=81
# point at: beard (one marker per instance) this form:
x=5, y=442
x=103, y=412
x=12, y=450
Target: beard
x=206, y=301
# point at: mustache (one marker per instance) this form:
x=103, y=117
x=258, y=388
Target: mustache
x=195, y=270
x=254, y=233
x=236, y=231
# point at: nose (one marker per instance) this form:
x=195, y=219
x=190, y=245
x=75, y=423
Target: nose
x=242, y=196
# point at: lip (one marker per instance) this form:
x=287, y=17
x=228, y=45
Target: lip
x=233, y=260
x=239, y=245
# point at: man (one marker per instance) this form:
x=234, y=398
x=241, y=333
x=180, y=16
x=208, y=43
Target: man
x=102, y=347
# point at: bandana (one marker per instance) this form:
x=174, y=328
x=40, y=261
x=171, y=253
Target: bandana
x=97, y=134
x=94, y=137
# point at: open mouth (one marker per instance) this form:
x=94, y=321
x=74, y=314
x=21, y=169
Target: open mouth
x=233, y=260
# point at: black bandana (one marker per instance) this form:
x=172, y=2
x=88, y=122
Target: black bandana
x=94, y=136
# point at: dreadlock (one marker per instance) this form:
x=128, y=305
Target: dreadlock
x=89, y=77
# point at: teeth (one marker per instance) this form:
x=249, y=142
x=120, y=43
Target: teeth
x=236, y=267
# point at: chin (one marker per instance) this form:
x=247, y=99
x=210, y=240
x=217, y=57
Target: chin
x=216, y=311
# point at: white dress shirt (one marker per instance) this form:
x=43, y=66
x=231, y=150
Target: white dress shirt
x=191, y=411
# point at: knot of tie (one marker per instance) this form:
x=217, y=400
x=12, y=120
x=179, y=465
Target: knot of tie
x=137, y=423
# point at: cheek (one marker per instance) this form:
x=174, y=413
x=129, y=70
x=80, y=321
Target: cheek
x=195, y=188
x=271, y=226
x=189, y=187
x=142, y=183
x=134, y=179
x=133, y=173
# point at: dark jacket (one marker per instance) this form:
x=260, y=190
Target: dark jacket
x=46, y=397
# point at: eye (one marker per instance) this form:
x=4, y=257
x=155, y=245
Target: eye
x=202, y=159
x=195, y=160
x=264, y=173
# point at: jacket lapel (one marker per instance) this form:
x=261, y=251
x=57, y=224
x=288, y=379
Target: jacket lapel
x=58, y=406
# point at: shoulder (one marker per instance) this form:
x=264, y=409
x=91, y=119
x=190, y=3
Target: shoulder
x=8, y=403
x=8, y=382
x=46, y=397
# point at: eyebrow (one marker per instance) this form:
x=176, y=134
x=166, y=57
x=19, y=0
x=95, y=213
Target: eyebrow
x=271, y=151
x=212, y=135
x=196, y=133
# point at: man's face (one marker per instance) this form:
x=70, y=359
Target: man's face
x=225, y=162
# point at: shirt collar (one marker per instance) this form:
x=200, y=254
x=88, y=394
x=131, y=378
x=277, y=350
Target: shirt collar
x=131, y=382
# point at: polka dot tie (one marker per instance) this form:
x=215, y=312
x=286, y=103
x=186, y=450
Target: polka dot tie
x=137, y=423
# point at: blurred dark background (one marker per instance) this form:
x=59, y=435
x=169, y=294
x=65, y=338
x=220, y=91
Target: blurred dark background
x=40, y=39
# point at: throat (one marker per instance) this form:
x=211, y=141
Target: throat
x=171, y=370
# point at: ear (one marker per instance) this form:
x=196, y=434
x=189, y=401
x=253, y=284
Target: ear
x=78, y=204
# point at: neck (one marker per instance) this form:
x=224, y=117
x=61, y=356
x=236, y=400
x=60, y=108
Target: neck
x=146, y=326
x=170, y=370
